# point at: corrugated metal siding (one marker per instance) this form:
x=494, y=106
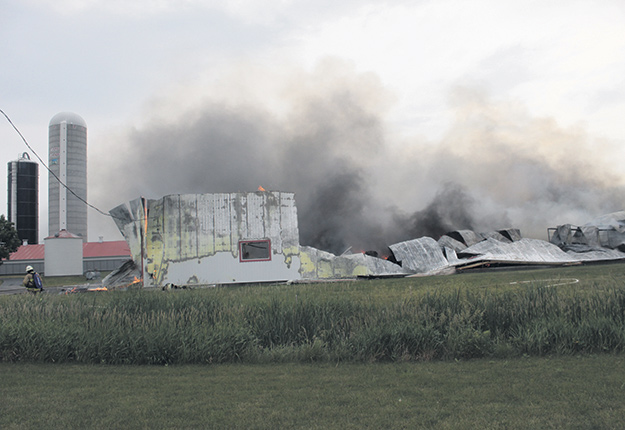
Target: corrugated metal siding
x=28, y=252
x=317, y=264
x=19, y=267
x=196, y=227
x=106, y=249
x=420, y=255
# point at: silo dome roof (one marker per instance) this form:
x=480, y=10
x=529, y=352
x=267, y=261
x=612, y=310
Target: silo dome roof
x=68, y=117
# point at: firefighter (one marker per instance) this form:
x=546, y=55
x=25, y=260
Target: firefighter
x=32, y=281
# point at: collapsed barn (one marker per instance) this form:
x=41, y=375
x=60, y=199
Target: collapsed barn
x=229, y=238
x=206, y=239
x=604, y=232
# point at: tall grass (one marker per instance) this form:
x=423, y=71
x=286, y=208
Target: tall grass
x=264, y=324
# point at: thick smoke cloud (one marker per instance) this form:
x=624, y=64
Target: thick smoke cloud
x=451, y=209
x=324, y=136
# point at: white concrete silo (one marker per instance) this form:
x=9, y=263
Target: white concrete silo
x=67, y=140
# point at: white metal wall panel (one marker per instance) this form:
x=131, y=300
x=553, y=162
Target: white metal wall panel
x=171, y=223
x=206, y=231
x=222, y=223
x=273, y=226
x=288, y=221
x=255, y=216
x=195, y=238
x=233, y=205
x=240, y=201
x=187, y=214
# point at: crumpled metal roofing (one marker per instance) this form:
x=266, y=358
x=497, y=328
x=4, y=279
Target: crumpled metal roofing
x=598, y=254
x=497, y=235
x=460, y=239
x=318, y=264
x=606, y=231
x=513, y=234
x=420, y=255
x=467, y=237
x=533, y=251
x=426, y=256
x=448, y=242
x=524, y=250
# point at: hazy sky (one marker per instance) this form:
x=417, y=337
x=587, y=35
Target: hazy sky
x=406, y=95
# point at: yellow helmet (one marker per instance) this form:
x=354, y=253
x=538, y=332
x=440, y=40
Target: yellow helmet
x=29, y=269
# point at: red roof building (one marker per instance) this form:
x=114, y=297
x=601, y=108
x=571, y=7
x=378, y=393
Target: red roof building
x=89, y=250
x=100, y=256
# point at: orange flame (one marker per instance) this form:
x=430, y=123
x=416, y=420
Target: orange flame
x=135, y=281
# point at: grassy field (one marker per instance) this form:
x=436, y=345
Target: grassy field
x=582, y=392
x=396, y=353
x=491, y=315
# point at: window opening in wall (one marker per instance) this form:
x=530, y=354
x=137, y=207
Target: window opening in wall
x=255, y=250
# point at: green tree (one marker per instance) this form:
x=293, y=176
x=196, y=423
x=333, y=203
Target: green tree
x=9, y=240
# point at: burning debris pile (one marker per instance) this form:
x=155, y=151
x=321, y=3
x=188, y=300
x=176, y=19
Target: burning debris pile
x=126, y=275
x=209, y=239
x=603, y=239
x=459, y=250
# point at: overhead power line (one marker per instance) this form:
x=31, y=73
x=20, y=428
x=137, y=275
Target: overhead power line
x=48, y=169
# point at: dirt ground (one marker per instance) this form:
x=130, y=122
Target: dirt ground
x=14, y=286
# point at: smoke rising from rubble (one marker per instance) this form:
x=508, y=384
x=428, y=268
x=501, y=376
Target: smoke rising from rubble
x=451, y=209
x=325, y=136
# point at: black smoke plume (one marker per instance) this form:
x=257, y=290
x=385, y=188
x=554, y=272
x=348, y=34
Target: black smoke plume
x=329, y=142
x=451, y=209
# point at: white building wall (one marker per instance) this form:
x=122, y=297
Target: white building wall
x=194, y=238
x=63, y=256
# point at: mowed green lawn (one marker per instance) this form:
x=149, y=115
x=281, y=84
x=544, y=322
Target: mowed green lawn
x=585, y=392
x=560, y=392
